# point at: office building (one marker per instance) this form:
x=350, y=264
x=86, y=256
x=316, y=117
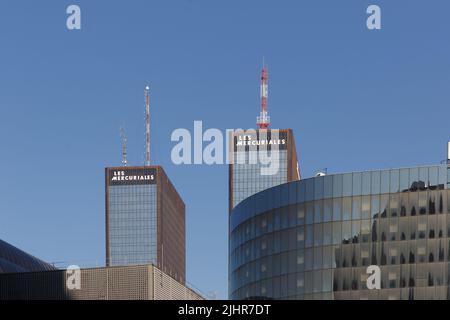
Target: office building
x=261, y=158
x=145, y=220
x=315, y=238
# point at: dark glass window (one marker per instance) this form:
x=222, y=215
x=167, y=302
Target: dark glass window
x=356, y=208
x=347, y=187
x=423, y=178
x=375, y=206
x=404, y=229
x=442, y=177
x=327, y=234
x=393, y=229
x=309, y=213
x=422, y=227
x=318, y=187
x=365, y=207
x=309, y=236
x=393, y=205
x=403, y=204
x=346, y=232
x=356, y=231
x=317, y=211
x=376, y=182
x=365, y=230
x=422, y=203
x=346, y=208
x=357, y=187
x=328, y=187
x=433, y=178
x=337, y=209
x=413, y=203
x=413, y=178
x=337, y=185
x=337, y=233
x=309, y=189
x=385, y=181
x=327, y=210
x=384, y=205
x=413, y=228
x=432, y=203
x=395, y=180
x=318, y=235
x=366, y=183
x=404, y=180
x=383, y=257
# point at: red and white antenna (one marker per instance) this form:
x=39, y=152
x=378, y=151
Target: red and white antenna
x=147, y=125
x=263, y=120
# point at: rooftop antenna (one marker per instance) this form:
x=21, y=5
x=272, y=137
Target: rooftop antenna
x=263, y=120
x=123, y=140
x=147, y=125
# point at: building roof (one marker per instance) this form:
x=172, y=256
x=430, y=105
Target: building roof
x=13, y=260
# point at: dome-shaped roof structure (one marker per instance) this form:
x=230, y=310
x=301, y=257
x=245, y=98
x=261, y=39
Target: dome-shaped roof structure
x=14, y=260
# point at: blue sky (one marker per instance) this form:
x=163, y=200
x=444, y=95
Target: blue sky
x=356, y=99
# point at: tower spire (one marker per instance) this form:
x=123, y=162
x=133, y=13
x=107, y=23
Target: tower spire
x=263, y=120
x=147, y=125
x=123, y=140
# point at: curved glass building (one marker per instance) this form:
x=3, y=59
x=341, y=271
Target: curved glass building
x=315, y=238
x=14, y=260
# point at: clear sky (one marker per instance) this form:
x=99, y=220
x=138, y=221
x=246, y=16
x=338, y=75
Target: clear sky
x=356, y=99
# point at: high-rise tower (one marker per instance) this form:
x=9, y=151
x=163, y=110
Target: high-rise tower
x=145, y=215
x=260, y=158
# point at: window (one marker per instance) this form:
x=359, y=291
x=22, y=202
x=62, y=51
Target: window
x=422, y=203
x=385, y=181
x=356, y=208
x=337, y=186
x=317, y=211
x=365, y=207
x=347, y=184
x=346, y=208
x=337, y=232
x=404, y=180
x=393, y=205
x=318, y=235
x=376, y=182
x=357, y=179
x=337, y=205
x=309, y=236
x=327, y=234
x=366, y=183
x=327, y=210
x=309, y=213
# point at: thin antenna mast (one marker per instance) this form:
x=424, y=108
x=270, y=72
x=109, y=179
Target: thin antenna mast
x=123, y=140
x=263, y=120
x=147, y=125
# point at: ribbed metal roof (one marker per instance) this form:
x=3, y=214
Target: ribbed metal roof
x=14, y=260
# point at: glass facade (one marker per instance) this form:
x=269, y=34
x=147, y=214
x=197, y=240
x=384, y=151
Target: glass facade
x=145, y=220
x=261, y=159
x=247, y=178
x=315, y=238
x=132, y=224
